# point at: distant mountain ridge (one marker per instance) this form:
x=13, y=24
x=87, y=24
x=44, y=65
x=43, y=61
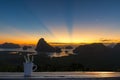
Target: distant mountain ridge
x=9, y=45
x=98, y=56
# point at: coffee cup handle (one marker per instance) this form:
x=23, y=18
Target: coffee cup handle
x=35, y=67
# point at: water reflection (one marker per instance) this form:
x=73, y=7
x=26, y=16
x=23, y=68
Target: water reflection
x=65, y=52
x=18, y=49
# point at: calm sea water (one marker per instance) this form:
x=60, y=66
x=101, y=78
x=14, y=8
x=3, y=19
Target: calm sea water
x=65, y=52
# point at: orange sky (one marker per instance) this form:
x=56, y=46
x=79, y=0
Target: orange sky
x=61, y=35
x=60, y=21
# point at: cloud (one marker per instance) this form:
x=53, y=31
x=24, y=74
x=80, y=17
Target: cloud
x=108, y=40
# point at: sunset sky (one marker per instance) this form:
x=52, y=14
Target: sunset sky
x=62, y=21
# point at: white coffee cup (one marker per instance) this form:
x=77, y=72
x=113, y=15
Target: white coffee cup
x=28, y=68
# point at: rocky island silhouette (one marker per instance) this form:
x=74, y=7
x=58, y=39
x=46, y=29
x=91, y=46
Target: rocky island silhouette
x=88, y=57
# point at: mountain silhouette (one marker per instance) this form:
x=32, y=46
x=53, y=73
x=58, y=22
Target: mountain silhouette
x=9, y=45
x=26, y=47
x=117, y=46
x=96, y=56
x=43, y=46
x=58, y=49
x=90, y=48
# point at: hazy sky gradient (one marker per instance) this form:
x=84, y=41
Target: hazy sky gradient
x=76, y=21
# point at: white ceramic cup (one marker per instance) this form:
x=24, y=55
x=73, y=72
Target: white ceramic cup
x=28, y=68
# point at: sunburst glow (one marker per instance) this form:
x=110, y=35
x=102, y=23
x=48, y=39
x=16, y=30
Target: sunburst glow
x=58, y=21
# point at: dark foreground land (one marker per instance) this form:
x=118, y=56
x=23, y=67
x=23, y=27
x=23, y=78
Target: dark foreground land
x=92, y=57
x=14, y=63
